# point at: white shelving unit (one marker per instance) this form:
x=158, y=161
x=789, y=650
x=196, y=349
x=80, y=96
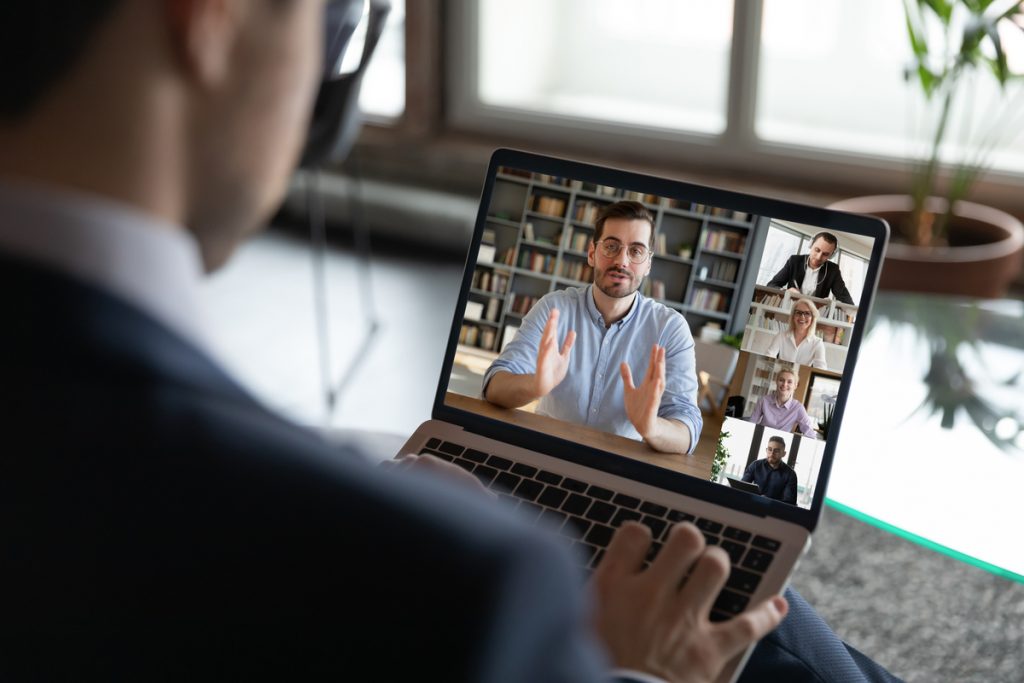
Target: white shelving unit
x=769, y=313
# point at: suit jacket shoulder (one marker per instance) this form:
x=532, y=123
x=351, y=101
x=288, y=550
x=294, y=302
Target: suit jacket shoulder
x=161, y=524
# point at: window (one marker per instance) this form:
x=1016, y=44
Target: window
x=794, y=88
x=604, y=60
x=383, y=91
x=780, y=244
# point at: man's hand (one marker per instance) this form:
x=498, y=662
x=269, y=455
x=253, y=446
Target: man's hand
x=650, y=624
x=642, y=401
x=552, y=364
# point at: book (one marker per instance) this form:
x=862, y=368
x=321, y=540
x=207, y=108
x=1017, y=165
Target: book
x=486, y=254
x=474, y=310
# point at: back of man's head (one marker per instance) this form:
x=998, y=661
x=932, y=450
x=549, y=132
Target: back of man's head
x=39, y=42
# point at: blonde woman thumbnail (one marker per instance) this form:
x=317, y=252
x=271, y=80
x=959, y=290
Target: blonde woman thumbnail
x=799, y=343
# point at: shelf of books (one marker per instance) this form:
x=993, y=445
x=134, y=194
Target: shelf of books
x=769, y=314
x=540, y=227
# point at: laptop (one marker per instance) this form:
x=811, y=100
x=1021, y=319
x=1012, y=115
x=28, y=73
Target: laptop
x=722, y=262
x=747, y=486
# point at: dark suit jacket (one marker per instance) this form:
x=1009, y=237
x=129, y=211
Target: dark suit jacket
x=157, y=523
x=792, y=275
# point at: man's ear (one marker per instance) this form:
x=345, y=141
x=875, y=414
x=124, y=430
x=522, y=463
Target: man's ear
x=590, y=254
x=202, y=35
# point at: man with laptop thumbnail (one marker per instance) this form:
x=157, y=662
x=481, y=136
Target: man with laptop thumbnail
x=608, y=329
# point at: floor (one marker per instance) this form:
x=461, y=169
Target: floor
x=925, y=616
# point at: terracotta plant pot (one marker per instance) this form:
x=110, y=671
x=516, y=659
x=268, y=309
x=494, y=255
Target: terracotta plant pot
x=982, y=259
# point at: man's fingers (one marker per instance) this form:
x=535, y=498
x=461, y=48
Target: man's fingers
x=448, y=470
x=570, y=339
x=683, y=545
x=705, y=581
x=735, y=635
x=627, y=376
x=652, y=364
x=626, y=552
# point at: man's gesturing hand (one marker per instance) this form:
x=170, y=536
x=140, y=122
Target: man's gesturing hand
x=552, y=364
x=649, y=623
x=642, y=401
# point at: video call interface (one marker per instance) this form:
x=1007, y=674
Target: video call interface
x=734, y=327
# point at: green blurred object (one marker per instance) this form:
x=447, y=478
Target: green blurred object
x=954, y=42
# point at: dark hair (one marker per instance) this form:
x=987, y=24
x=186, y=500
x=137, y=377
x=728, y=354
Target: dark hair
x=628, y=210
x=777, y=439
x=828, y=237
x=39, y=42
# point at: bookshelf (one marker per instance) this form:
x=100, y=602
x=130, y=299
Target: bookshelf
x=769, y=313
x=536, y=237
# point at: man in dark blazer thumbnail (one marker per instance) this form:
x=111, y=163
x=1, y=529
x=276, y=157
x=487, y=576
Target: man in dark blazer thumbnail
x=812, y=274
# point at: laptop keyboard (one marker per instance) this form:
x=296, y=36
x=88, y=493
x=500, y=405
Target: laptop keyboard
x=587, y=516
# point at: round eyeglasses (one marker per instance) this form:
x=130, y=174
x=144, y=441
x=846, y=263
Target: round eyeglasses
x=637, y=253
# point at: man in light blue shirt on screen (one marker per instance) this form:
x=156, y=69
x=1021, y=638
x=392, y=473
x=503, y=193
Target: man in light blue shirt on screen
x=608, y=330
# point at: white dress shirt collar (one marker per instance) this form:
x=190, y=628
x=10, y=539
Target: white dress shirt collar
x=152, y=264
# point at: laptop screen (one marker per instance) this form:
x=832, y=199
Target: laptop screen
x=662, y=322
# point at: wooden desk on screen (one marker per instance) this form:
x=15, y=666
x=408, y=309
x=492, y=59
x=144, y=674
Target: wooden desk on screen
x=693, y=465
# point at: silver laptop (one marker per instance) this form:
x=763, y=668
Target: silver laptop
x=738, y=271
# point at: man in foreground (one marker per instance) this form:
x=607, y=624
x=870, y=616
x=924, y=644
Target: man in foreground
x=158, y=522
x=608, y=329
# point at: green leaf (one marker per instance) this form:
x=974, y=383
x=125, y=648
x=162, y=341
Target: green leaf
x=942, y=8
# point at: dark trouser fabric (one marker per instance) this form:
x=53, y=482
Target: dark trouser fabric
x=804, y=648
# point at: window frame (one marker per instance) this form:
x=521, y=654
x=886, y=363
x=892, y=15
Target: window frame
x=738, y=147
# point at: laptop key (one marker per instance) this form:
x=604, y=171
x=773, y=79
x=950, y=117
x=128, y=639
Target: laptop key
x=485, y=474
x=656, y=525
x=553, y=497
x=575, y=527
x=742, y=580
x=734, y=549
x=710, y=540
x=499, y=462
x=443, y=456
x=507, y=481
x=475, y=455
x=574, y=485
x=731, y=603
x=677, y=516
x=708, y=525
x=529, y=489
x=736, y=534
x=653, y=509
x=600, y=493
x=464, y=464
x=549, y=477
x=757, y=560
x=597, y=558
x=576, y=505
x=625, y=501
x=601, y=512
x=600, y=535
x=719, y=616
x=433, y=443
x=766, y=543
x=451, y=448
x=523, y=470
x=623, y=516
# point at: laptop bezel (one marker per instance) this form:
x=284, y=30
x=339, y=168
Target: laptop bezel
x=619, y=465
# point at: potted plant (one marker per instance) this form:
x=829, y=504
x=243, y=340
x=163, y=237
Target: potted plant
x=721, y=457
x=828, y=411
x=941, y=242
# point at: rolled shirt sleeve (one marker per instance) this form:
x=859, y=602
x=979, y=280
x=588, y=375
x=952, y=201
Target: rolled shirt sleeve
x=592, y=391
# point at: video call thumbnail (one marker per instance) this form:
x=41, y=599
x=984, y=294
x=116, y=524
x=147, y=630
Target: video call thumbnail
x=696, y=338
